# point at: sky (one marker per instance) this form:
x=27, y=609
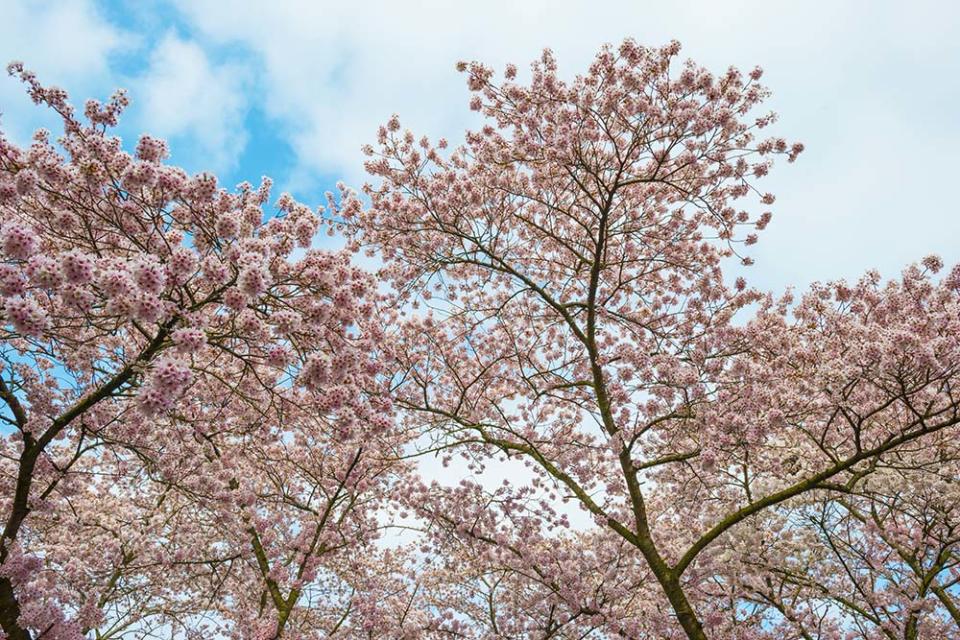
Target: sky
x=294, y=89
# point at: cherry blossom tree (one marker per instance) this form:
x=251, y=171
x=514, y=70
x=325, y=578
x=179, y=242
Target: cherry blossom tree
x=562, y=279
x=884, y=554
x=208, y=424
x=195, y=439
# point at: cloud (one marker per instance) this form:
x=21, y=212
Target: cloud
x=66, y=43
x=869, y=87
x=177, y=90
x=195, y=103
x=864, y=85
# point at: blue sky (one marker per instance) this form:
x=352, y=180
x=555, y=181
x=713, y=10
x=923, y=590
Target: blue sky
x=293, y=89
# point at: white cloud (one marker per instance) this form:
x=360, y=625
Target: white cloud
x=66, y=43
x=198, y=105
x=863, y=84
x=181, y=94
x=869, y=87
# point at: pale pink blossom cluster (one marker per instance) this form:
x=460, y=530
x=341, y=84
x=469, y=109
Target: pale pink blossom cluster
x=189, y=339
x=26, y=315
x=167, y=380
x=165, y=454
x=19, y=242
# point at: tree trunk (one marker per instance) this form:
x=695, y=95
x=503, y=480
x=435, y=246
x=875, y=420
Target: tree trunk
x=686, y=616
x=10, y=612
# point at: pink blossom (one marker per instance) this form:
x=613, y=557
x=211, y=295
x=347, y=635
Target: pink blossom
x=163, y=385
x=12, y=282
x=252, y=280
x=228, y=225
x=19, y=242
x=182, y=265
x=77, y=267
x=26, y=316
x=44, y=271
x=151, y=149
x=933, y=263
x=27, y=182
x=286, y=321
x=148, y=308
x=315, y=371
x=189, y=339
x=150, y=276
x=235, y=299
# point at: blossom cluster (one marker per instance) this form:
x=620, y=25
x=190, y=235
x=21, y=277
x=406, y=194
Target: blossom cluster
x=164, y=342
